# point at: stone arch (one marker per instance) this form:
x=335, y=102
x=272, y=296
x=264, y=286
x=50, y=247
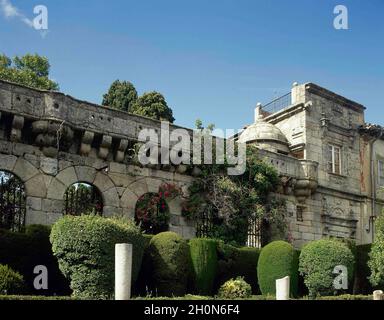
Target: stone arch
x=86, y=174
x=13, y=201
x=148, y=209
x=24, y=169
x=135, y=190
x=128, y=203
x=83, y=198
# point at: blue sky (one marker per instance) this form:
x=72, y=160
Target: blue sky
x=212, y=60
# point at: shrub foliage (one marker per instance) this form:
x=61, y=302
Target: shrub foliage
x=237, y=262
x=23, y=251
x=11, y=282
x=84, y=247
x=169, y=261
x=204, y=262
x=317, y=262
x=376, y=261
x=277, y=260
x=235, y=289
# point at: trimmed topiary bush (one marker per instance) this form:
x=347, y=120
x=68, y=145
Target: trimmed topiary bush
x=246, y=265
x=277, y=260
x=376, y=256
x=11, y=282
x=22, y=251
x=235, y=289
x=317, y=262
x=85, y=248
x=228, y=257
x=204, y=263
x=362, y=272
x=234, y=262
x=141, y=285
x=170, y=264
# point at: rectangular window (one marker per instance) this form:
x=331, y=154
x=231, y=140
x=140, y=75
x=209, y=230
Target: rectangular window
x=334, y=159
x=298, y=154
x=380, y=170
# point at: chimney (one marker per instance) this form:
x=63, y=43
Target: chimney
x=258, y=111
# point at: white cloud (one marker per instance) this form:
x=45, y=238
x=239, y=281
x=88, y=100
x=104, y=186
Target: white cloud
x=10, y=11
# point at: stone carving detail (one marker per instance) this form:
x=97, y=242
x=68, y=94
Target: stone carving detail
x=105, y=146
x=335, y=220
x=120, y=153
x=17, y=126
x=86, y=143
x=308, y=182
x=52, y=136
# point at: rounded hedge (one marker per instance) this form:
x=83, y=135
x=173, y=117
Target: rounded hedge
x=247, y=266
x=277, y=260
x=170, y=264
x=317, y=261
x=22, y=251
x=11, y=282
x=234, y=262
x=85, y=248
x=204, y=263
x=376, y=256
x=235, y=289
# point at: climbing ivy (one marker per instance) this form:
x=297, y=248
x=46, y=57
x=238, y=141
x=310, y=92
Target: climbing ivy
x=232, y=200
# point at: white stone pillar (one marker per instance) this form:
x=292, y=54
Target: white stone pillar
x=123, y=271
x=378, y=295
x=282, y=288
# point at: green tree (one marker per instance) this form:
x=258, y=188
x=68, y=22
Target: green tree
x=376, y=261
x=232, y=201
x=29, y=70
x=153, y=105
x=199, y=126
x=121, y=95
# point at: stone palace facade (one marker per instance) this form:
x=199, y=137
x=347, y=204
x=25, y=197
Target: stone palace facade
x=331, y=162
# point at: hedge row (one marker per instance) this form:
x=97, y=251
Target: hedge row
x=277, y=260
x=23, y=251
x=318, y=260
x=171, y=265
x=234, y=262
x=85, y=249
x=205, y=264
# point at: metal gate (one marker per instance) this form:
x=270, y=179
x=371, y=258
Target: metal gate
x=83, y=199
x=255, y=226
x=204, y=223
x=12, y=202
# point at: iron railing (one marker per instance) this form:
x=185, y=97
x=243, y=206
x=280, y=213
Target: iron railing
x=12, y=202
x=83, y=199
x=254, y=238
x=204, y=223
x=278, y=104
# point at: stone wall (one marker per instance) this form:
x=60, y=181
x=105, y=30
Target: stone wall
x=339, y=205
x=51, y=141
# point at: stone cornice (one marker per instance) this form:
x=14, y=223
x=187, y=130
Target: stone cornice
x=52, y=105
x=322, y=92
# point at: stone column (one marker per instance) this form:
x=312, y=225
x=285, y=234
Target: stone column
x=123, y=271
x=282, y=288
x=378, y=295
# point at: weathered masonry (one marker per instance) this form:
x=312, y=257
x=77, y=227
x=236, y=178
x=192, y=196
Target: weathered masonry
x=52, y=141
x=330, y=161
